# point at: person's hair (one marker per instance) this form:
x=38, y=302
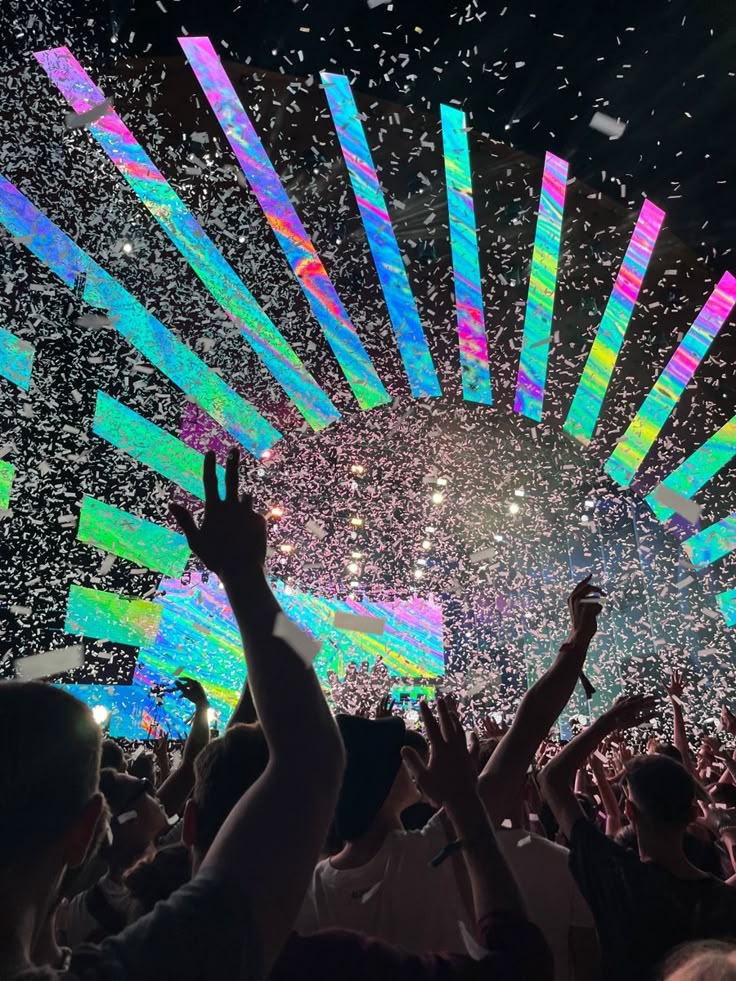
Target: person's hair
x=143, y=766
x=702, y=854
x=704, y=960
x=661, y=789
x=157, y=878
x=51, y=757
x=667, y=749
x=112, y=756
x=224, y=770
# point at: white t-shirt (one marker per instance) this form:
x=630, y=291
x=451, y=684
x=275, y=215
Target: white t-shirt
x=79, y=923
x=401, y=899
x=553, y=900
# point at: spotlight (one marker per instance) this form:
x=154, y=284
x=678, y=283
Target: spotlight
x=442, y=481
x=418, y=573
x=267, y=454
x=514, y=508
x=589, y=502
x=356, y=555
x=286, y=548
x=358, y=469
x=353, y=567
x=356, y=522
x=584, y=519
x=211, y=716
x=100, y=714
x=276, y=512
x=426, y=544
x=519, y=492
x=127, y=247
x=437, y=497
x=241, y=239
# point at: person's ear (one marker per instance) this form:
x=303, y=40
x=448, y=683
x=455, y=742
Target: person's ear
x=82, y=832
x=189, y=825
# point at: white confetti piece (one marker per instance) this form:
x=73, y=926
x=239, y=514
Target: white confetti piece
x=49, y=663
x=359, y=624
x=473, y=948
x=371, y=892
x=610, y=127
x=299, y=640
x=683, y=506
x=78, y=120
x=315, y=528
x=127, y=816
x=524, y=841
x=483, y=553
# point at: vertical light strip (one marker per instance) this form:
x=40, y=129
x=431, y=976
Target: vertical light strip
x=7, y=472
x=399, y=298
x=143, y=542
x=298, y=248
x=702, y=465
x=540, y=302
x=147, y=334
x=190, y=238
x=16, y=359
x=582, y=417
x=646, y=425
x=465, y=262
x=712, y=543
x=147, y=443
x=727, y=605
x=108, y=616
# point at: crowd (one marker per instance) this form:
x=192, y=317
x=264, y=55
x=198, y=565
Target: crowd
x=300, y=845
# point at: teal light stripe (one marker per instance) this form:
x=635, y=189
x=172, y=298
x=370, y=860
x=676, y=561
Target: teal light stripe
x=16, y=359
x=140, y=328
x=142, y=542
x=712, y=543
x=108, y=616
x=146, y=442
x=7, y=472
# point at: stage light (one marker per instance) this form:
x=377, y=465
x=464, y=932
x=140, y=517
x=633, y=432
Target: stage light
x=589, y=503
x=241, y=239
x=100, y=714
x=127, y=247
x=437, y=497
x=356, y=522
x=353, y=567
x=584, y=519
x=276, y=512
x=356, y=555
x=514, y=508
x=412, y=717
x=358, y=469
x=267, y=454
x=519, y=492
x=498, y=538
x=442, y=481
x=426, y=544
x=286, y=548
x=211, y=716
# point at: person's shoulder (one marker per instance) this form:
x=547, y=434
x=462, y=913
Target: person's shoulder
x=586, y=838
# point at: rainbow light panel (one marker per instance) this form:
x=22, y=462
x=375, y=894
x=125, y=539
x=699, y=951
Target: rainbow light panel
x=540, y=303
x=465, y=262
x=582, y=417
x=143, y=542
x=149, y=444
x=197, y=635
x=190, y=239
x=147, y=334
x=702, y=464
x=662, y=399
x=400, y=301
x=16, y=359
x=727, y=605
x=108, y=616
x=712, y=543
x=7, y=472
x=301, y=254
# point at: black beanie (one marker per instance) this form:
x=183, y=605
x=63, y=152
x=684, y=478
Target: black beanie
x=373, y=750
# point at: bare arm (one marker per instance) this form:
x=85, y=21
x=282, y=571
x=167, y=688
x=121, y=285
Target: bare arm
x=503, y=777
x=556, y=779
x=174, y=791
x=245, y=710
x=614, y=821
x=675, y=690
x=306, y=757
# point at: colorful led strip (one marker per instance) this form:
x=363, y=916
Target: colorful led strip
x=301, y=254
x=143, y=542
x=108, y=616
x=149, y=444
x=465, y=262
x=712, y=543
x=7, y=472
x=702, y=464
x=586, y=405
x=16, y=359
x=727, y=605
x=662, y=399
x=400, y=301
x=540, y=302
x=190, y=238
x=155, y=342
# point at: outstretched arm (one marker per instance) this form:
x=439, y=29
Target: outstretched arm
x=174, y=791
x=556, y=779
x=306, y=756
x=503, y=777
x=614, y=820
x=675, y=690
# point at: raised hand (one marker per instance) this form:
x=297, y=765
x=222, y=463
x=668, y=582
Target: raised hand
x=490, y=729
x=630, y=711
x=232, y=537
x=676, y=685
x=451, y=774
x=584, y=610
x=191, y=689
x=385, y=707
x=728, y=720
